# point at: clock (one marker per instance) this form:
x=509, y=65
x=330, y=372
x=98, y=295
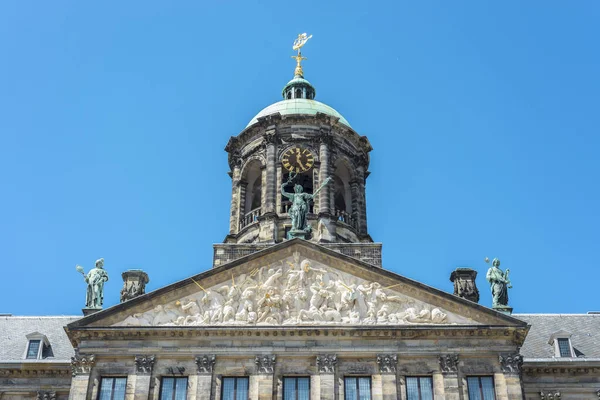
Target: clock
x=296, y=159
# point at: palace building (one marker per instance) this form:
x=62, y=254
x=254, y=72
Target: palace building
x=299, y=304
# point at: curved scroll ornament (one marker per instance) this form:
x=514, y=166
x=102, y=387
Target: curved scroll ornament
x=387, y=363
x=265, y=364
x=206, y=363
x=326, y=363
x=82, y=365
x=449, y=363
x=511, y=363
x=551, y=395
x=144, y=364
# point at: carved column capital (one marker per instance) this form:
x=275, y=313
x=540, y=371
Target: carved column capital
x=326, y=363
x=387, y=363
x=511, y=363
x=550, y=395
x=46, y=396
x=449, y=363
x=82, y=365
x=206, y=363
x=265, y=364
x=144, y=364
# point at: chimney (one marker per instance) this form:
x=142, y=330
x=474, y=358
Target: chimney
x=134, y=284
x=464, y=283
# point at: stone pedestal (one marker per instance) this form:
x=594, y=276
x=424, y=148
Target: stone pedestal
x=504, y=309
x=298, y=234
x=87, y=311
x=464, y=283
x=134, y=284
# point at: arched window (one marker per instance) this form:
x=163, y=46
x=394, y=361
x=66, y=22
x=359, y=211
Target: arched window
x=298, y=93
x=250, y=206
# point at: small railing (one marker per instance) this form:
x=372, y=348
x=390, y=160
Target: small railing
x=285, y=207
x=346, y=218
x=250, y=218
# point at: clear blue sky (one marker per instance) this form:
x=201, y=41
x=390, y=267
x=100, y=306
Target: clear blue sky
x=484, y=117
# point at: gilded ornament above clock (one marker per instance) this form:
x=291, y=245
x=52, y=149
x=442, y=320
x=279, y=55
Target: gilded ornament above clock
x=297, y=159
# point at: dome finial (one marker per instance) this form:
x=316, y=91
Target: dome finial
x=298, y=43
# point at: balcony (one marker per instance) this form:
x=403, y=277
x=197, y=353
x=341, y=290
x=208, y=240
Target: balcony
x=250, y=218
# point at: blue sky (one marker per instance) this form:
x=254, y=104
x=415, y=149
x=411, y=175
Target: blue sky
x=483, y=117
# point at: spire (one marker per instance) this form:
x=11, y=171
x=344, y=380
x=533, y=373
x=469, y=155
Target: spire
x=298, y=43
x=298, y=87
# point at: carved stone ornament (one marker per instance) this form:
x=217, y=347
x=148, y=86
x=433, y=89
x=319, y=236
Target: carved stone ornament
x=449, y=363
x=134, y=284
x=550, y=395
x=46, y=396
x=465, y=285
x=144, y=364
x=511, y=363
x=81, y=365
x=326, y=363
x=265, y=364
x=387, y=363
x=206, y=363
x=287, y=293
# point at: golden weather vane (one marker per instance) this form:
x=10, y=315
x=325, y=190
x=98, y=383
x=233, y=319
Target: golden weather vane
x=298, y=43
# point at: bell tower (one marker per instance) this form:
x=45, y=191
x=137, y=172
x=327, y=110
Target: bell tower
x=297, y=145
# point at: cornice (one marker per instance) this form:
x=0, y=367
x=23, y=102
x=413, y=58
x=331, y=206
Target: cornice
x=28, y=370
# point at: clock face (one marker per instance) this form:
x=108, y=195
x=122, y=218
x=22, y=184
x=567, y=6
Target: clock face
x=297, y=159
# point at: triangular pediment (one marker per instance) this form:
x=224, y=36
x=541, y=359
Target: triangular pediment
x=297, y=283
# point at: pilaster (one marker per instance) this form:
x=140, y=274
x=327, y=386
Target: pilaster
x=81, y=366
x=204, y=376
x=324, y=172
x=327, y=366
x=387, y=364
x=138, y=384
x=265, y=366
x=438, y=386
x=271, y=175
x=361, y=201
x=449, y=369
x=234, y=222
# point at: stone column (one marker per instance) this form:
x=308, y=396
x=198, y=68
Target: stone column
x=449, y=368
x=326, y=365
x=205, y=364
x=387, y=368
x=438, y=386
x=234, y=223
x=271, y=175
x=361, y=200
x=81, y=365
x=324, y=172
x=265, y=366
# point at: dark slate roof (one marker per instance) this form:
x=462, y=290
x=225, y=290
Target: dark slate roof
x=585, y=330
x=14, y=329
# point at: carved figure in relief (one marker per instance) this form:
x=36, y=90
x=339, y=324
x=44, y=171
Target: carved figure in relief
x=292, y=292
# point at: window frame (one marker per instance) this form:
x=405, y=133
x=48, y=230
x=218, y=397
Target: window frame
x=173, y=397
x=569, y=347
x=235, y=385
x=419, y=377
x=295, y=378
x=480, y=385
x=34, y=336
x=357, y=377
x=112, y=389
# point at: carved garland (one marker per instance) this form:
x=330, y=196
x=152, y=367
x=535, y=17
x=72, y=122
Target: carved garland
x=449, y=363
x=206, y=363
x=511, y=363
x=387, y=363
x=81, y=365
x=265, y=364
x=144, y=364
x=550, y=395
x=46, y=396
x=326, y=363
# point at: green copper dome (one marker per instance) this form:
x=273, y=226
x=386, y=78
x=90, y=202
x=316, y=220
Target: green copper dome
x=298, y=106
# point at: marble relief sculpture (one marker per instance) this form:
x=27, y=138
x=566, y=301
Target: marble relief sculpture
x=291, y=292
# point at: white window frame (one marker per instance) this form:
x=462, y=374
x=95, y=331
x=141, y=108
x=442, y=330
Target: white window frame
x=43, y=342
x=554, y=342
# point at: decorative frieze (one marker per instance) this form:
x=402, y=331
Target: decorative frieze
x=449, y=363
x=206, y=363
x=81, y=365
x=511, y=363
x=144, y=364
x=265, y=364
x=387, y=363
x=46, y=396
x=326, y=363
x=550, y=395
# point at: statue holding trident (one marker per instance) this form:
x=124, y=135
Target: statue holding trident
x=499, y=284
x=95, y=279
x=299, y=208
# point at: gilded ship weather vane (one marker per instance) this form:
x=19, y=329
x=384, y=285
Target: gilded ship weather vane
x=298, y=44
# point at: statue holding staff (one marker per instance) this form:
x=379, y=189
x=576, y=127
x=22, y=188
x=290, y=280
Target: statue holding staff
x=499, y=284
x=95, y=279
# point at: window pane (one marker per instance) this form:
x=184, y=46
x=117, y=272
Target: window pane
x=364, y=388
x=563, y=347
x=474, y=390
x=32, y=350
x=106, y=385
x=289, y=389
x=180, y=388
x=487, y=386
x=412, y=388
x=426, y=385
x=166, y=390
x=242, y=389
x=350, y=389
x=120, y=385
x=228, y=389
x=303, y=389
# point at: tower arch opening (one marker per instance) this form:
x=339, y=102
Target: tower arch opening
x=251, y=201
x=342, y=193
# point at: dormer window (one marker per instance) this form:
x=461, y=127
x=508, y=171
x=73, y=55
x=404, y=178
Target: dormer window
x=36, y=343
x=561, y=341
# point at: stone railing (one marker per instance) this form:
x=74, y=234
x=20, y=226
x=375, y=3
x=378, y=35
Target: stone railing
x=346, y=218
x=366, y=252
x=250, y=218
